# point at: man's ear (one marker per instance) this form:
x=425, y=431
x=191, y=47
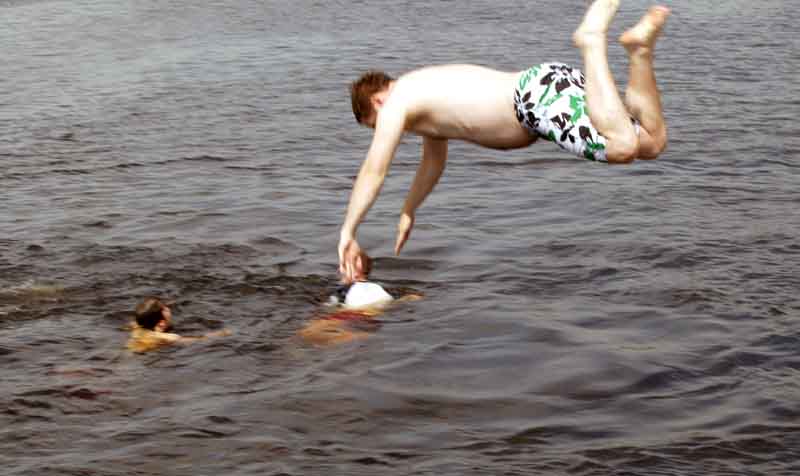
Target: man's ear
x=378, y=99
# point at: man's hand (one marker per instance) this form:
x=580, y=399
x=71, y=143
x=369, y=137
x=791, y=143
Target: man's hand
x=403, y=230
x=351, y=262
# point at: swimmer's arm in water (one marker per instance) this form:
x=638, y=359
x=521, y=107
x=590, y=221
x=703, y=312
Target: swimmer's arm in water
x=189, y=339
x=408, y=298
x=389, y=129
x=168, y=337
x=434, y=158
x=143, y=340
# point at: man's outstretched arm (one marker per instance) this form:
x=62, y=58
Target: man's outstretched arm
x=388, y=131
x=434, y=158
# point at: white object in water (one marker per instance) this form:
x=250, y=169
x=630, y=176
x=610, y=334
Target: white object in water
x=365, y=294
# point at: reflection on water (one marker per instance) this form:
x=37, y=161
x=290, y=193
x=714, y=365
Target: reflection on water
x=578, y=319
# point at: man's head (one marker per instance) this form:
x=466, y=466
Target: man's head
x=154, y=315
x=367, y=96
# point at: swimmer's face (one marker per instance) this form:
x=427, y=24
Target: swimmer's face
x=165, y=324
x=363, y=267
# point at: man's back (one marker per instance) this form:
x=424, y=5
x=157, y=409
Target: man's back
x=462, y=102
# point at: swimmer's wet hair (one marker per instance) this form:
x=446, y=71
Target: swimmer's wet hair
x=366, y=261
x=361, y=92
x=148, y=313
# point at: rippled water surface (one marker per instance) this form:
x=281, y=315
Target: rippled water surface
x=577, y=318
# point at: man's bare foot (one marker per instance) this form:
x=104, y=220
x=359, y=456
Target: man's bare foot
x=595, y=23
x=643, y=35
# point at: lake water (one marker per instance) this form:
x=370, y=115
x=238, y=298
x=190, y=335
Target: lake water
x=577, y=319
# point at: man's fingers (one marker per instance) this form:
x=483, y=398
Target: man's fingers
x=347, y=273
x=398, y=245
x=342, y=262
x=402, y=237
x=403, y=232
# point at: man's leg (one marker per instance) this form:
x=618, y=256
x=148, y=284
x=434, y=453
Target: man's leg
x=642, y=96
x=603, y=102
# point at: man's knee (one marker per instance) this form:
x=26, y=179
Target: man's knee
x=656, y=145
x=623, y=150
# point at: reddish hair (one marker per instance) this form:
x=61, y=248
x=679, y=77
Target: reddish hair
x=366, y=265
x=361, y=92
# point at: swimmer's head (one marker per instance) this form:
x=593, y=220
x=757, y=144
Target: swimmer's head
x=154, y=315
x=363, y=267
x=364, y=94
x=366, y=295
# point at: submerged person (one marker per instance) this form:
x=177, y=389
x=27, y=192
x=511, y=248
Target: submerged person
x=152, y=326
x=581, y=112
x=356, y=305
x=361, y=293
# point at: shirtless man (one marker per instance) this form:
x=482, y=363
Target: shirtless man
x=501, y=110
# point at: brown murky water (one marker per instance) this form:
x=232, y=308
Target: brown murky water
x=577, y=319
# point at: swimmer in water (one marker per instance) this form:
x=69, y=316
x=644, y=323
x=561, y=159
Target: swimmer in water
x=582, y=112
x=153, y=324
x=357, y=305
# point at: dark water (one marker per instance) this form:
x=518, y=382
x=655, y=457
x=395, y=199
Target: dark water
x=577, y=319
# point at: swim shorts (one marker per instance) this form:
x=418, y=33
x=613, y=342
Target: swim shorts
x=550, y=101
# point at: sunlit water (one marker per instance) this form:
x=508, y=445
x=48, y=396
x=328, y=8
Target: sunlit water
x=577, y=318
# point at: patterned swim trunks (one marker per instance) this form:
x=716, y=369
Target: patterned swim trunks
x=550, y=101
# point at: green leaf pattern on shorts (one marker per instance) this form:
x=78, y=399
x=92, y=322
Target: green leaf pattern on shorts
x=578, y=106
x=525, y=78
x=550, y=101
x=592, y=148
x=560, y=114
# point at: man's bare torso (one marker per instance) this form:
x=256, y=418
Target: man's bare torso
x=463, y=102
